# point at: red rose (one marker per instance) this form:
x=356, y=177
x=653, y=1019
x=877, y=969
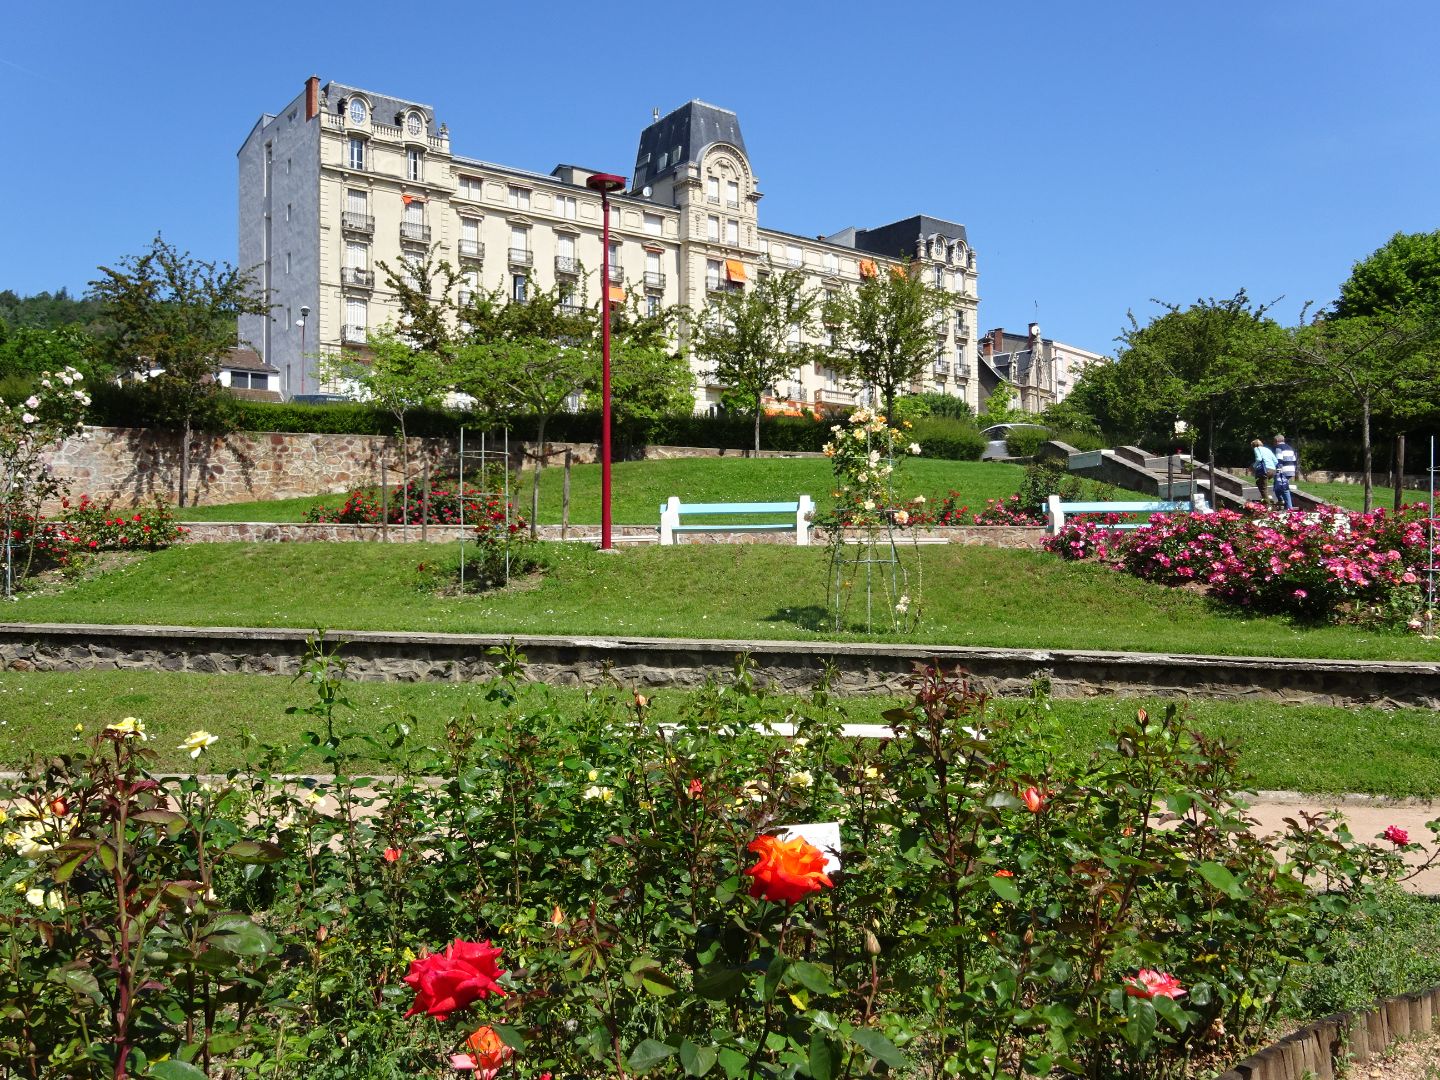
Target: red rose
x=392, y=854
x=1148, y=983
x=1397, y=835
x=1034, y=801
x=449, y=981
x=788, y=870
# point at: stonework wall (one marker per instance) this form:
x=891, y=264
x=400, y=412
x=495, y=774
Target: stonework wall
x=135, y=465
x=785, y=665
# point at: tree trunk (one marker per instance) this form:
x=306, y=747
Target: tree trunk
x=890, y=404
x=757, y=425
x=1399, y=471
x=1366, y=450
x=535, y=482
x=184, y=460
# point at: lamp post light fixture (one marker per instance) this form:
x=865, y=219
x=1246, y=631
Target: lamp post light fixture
x=300, y=322
x=605, y=183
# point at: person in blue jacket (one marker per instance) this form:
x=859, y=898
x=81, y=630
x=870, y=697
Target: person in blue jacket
x=1265, y=468
x=1287, y=465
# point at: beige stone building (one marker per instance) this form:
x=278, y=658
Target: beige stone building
x=1042, y=371
x=342, y=179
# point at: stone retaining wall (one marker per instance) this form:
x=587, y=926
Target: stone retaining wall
x=1327, y=1048
x=679, y=662
x=135, y=465
x=1005, y=536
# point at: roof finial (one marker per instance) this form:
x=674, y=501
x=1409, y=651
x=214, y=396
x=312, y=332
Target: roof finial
x=654, y=115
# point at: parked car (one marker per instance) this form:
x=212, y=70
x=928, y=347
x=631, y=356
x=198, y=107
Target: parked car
x=996, y=434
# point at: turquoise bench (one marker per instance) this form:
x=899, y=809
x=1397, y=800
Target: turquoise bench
x=798, y=514
x=1056, y=509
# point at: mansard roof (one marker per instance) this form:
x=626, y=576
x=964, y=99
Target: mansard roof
x=681, y=137
x=387, y=110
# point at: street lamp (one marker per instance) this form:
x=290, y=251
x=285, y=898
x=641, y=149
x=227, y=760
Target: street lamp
x=605, y=183
x=300, y=322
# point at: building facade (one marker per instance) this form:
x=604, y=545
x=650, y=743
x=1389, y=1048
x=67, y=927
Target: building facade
x=342, y=179
x=1042, y=371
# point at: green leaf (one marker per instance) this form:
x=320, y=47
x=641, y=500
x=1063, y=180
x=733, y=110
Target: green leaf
x=773, y=975
x=510, y=1036
x=236, y=934
x=1139, y=1028
x=65, y=870
x=812, y=977
x=879, y=1047
x=78, y=979
x=175, y=1070
x=1220, y=878
x=697, y=1060
x=718, y=983
x=1005, y=888
x=824, y=1055
x=647, y=1054
x=255, y=851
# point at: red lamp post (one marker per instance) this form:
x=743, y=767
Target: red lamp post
x=605, y=183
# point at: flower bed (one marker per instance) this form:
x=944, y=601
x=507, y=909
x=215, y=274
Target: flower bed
x=1330, y=564
x=586, y=895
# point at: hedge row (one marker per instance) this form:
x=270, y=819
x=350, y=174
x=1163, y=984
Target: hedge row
x=130, y=406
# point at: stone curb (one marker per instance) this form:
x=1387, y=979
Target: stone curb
x=861, y=667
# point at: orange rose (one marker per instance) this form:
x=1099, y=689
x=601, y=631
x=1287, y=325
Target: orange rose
x=488, y=1053
x=788, y=870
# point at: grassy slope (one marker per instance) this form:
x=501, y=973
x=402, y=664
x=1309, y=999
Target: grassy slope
x=1305, y=748
x=639, y=487
x=973, y=596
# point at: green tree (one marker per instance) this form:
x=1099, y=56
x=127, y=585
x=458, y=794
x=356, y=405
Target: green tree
x=26, y=351
x=529, y=357
x=1401, y=276
x=1205, y=365
x=649, y=378
x=168, y=311
x=399, y=378
x=751, y=339
x=1000, y=407
x=885, y=330
x=426, y=294
x=1381, y=365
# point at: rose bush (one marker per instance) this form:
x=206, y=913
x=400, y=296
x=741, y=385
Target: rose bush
x=1002, y=895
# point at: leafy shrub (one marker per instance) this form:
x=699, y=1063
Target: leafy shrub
x=1004, y=904
x=1330, y=564
x=98, y=526
x=1045, y=478
x=1024, y=441
x=1011, y=511
x=949, y=439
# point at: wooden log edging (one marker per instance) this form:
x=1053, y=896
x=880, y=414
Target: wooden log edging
x=1323, y=1049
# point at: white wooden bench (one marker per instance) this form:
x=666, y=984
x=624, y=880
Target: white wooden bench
x=798, y=515
x=1056, y=509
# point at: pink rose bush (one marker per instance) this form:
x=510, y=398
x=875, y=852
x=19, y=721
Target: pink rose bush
x=1332, y=563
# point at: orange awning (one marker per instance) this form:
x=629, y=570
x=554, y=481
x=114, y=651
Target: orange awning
x=734, y=270
x=617, y=294
x=898, y=271
x=867, y=268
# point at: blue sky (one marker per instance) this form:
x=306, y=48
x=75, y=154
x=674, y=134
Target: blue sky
x=1100, y=154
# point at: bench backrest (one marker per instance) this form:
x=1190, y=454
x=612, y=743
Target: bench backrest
x=1056, y=510
x=802, y=510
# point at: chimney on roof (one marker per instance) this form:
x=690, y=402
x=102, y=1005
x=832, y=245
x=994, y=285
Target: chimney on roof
x=312, y=97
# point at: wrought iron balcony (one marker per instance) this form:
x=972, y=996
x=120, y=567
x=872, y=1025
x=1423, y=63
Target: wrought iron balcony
x=353, y=334
x=654, y=279
x=792, y=261
x=962, y=371
x=414, y=233
x=354, y=275
x=350, y=221
x=472, y=249
x=465, y=296
x=617, y=274
x=522, y=257
x=569, y=308
x=942, y=368
x=567, y=264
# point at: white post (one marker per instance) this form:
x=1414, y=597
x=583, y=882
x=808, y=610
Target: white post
x=1057, y=516
x=803, y=515
x=1198, y=504
x=669, y=518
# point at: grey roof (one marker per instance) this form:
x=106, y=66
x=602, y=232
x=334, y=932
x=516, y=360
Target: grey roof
x=681, y=137
x=239, y=358
x=897, y=240
x=387, y=110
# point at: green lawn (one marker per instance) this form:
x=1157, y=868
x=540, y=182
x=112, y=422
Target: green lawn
x=1303, y=748
x=639, y=487
x=1352, y=496
x=972, y=596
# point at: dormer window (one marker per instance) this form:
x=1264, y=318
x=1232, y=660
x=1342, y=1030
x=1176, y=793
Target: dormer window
x=413, y=124
x=357, y=110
